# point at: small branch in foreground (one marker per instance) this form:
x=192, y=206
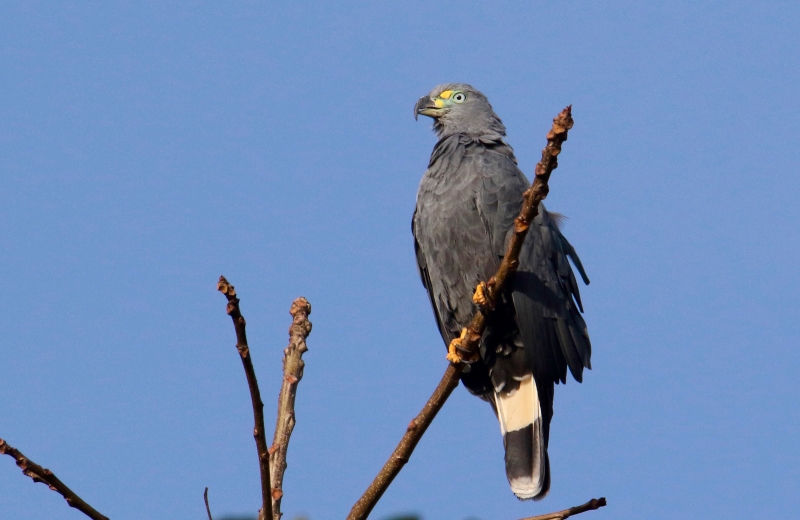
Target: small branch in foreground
x=239, y=325
x=591, y=505
x=292, y=374
x=467, y=346
x=45, y=476
x=205, y=499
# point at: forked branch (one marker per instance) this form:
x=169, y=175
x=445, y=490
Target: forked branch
x=45, y=476
x=239, y=325
x=292, y=374
x=467, y=346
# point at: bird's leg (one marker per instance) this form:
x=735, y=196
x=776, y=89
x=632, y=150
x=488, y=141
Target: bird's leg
x=452, y=351
x=484, y=296
x=459, y=352
x=481, y=296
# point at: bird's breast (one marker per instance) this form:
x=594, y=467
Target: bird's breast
x=454, y=240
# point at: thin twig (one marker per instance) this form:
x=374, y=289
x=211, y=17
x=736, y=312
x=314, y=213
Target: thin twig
x=468, y=345
x=205, y=499
x=292, y=374
x=591, y=505
x=45, y=476
x=239, y=325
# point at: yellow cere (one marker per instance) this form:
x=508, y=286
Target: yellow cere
x=439, y=103
x=446, y=94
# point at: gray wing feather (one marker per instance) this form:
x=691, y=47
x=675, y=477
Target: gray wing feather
x=545, y=287
x=425, y=276
x=544, y=291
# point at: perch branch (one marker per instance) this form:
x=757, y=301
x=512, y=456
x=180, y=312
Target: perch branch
x=239, y=325
x=292, y=374
x=467, y=346
x=591, y=505
x=45, y=476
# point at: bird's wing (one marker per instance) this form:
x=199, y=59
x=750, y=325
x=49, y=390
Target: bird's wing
x=544, y=290
x=548, y=303
x=425, y=276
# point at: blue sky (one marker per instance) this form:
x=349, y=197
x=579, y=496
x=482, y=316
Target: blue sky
x=147, y=148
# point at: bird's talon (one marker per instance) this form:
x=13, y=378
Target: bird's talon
x=452, y=350
x=479, y=298
x=452, y=354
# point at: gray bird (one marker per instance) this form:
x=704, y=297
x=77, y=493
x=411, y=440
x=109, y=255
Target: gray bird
x=466, y=205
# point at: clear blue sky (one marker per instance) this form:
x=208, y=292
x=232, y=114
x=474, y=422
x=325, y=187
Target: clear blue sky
x=146, y=149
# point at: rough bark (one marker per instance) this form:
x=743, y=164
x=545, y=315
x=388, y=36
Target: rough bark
x=45, y=476
x=240, y=325
x=293, y=365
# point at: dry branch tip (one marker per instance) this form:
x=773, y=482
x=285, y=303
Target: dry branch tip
x=240, y=326
x=591, y=505
x=45, y=476
x=205, y=499
x=293, y=366
x=225, y=287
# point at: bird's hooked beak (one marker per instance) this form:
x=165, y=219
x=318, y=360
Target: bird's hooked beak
x=429, y=107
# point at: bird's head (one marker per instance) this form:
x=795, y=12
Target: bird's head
x=457, y=108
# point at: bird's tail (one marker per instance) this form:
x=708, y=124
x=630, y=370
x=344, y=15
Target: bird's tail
x=521, y=423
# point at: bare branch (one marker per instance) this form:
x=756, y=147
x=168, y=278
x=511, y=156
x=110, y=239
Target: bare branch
x=467, y=346
x=205, y=499
x=402, y=452
x=292, y=374
x=591, y=505
x=239, y=325
x=45, y=476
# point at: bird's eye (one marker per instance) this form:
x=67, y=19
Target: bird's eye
x=459, y=97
